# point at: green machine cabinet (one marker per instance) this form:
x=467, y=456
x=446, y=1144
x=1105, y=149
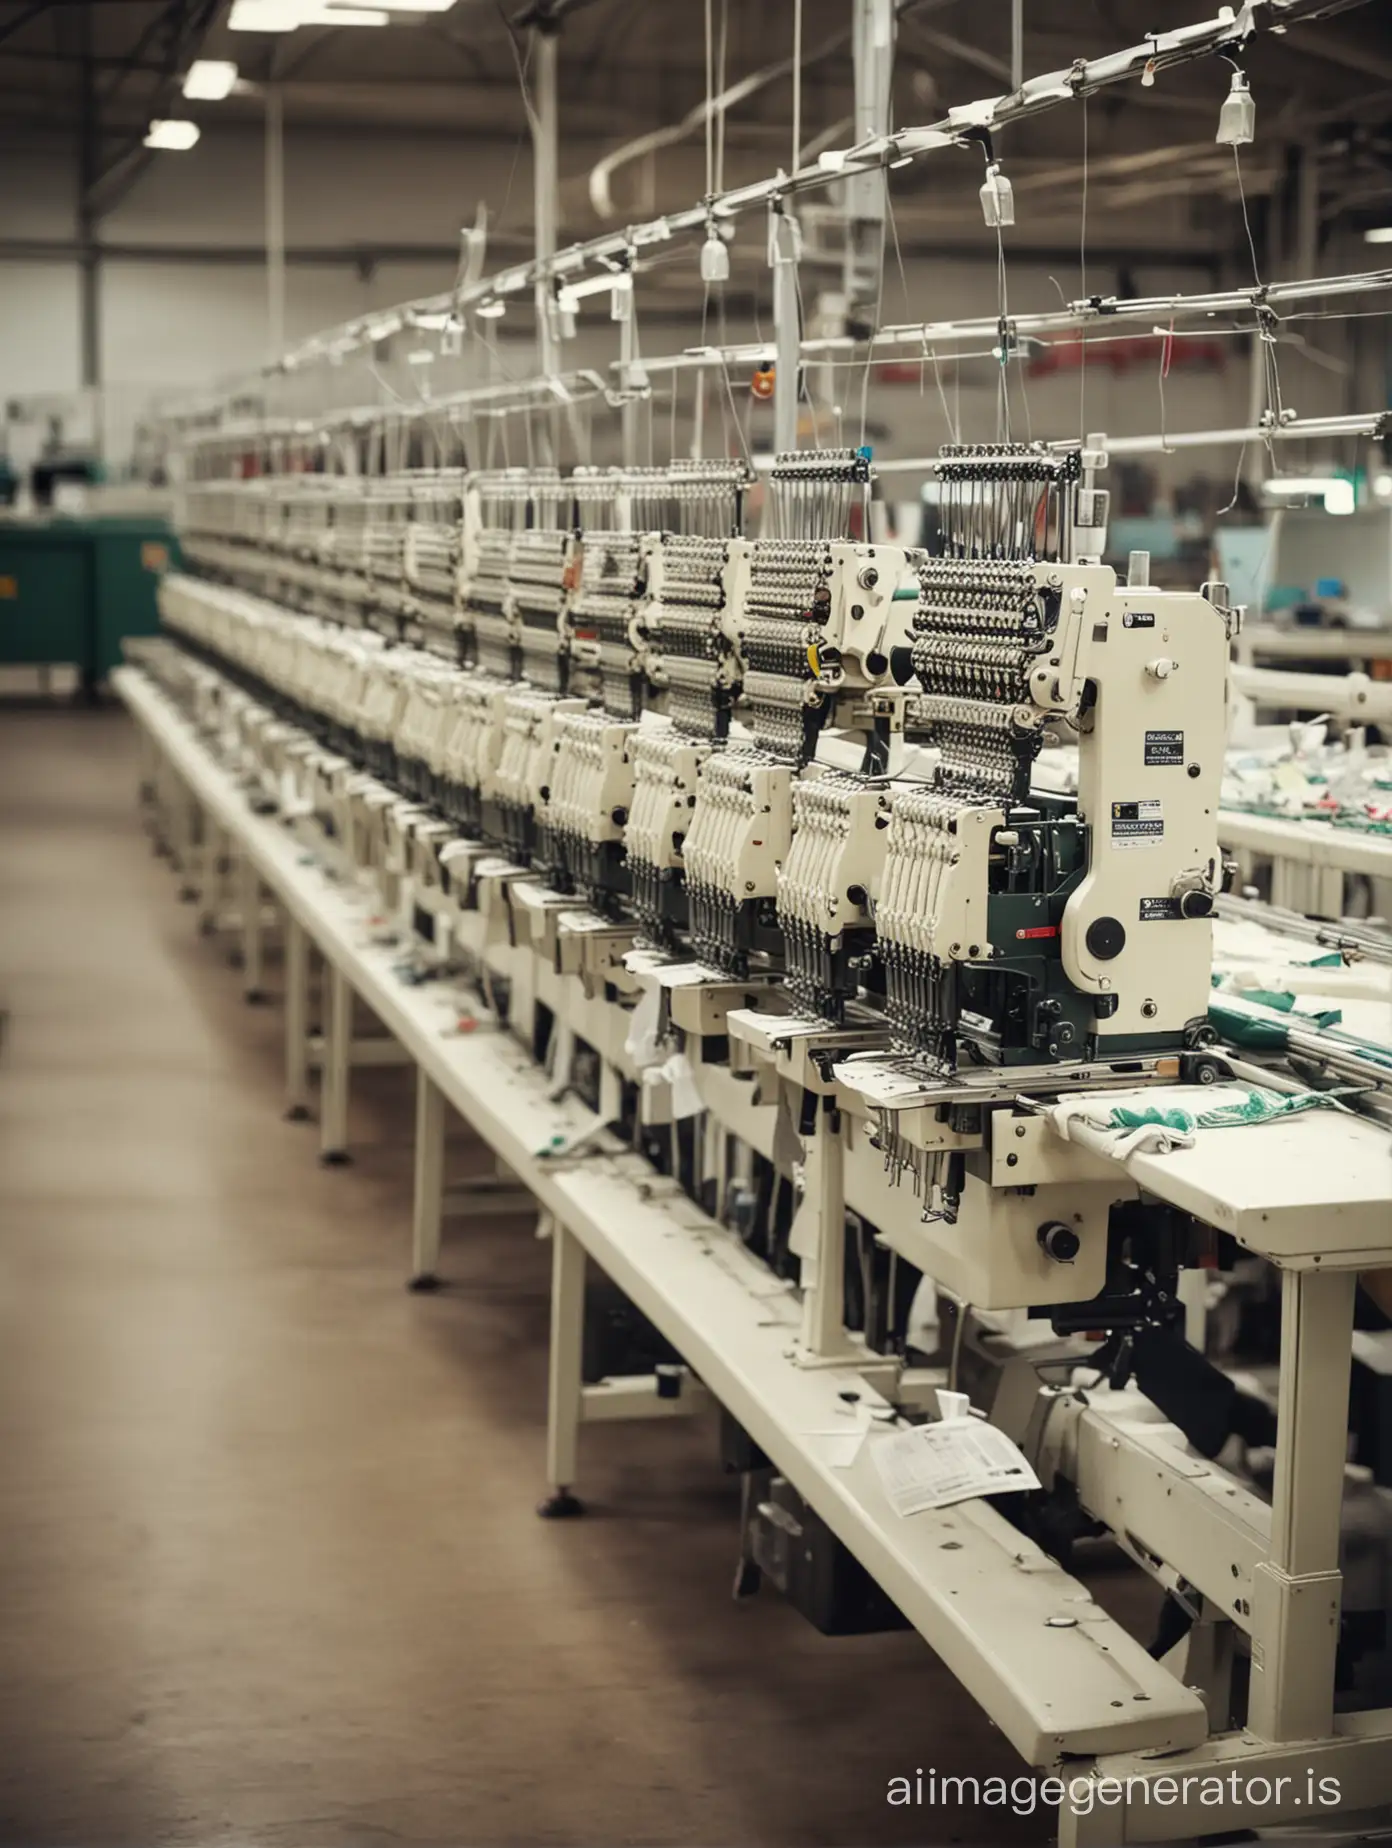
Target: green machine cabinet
x=71, y=589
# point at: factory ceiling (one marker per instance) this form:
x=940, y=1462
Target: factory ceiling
x=85, y=79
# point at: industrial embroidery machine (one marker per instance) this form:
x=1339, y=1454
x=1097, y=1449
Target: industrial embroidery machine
x=738, y=837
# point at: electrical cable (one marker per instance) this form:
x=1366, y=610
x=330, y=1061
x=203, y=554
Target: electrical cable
x=528, y=111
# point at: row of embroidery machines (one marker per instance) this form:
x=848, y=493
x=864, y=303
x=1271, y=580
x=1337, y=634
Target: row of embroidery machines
x=805, y=756
x=742, y=839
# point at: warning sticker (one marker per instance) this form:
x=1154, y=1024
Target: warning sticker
x=1137, y=824
x=1164, y=747
x=1159, y=910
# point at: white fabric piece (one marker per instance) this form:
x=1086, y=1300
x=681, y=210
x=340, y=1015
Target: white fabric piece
x=1085, y=1117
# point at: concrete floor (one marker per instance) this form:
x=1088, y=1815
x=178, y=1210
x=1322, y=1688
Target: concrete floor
x=269, y=1567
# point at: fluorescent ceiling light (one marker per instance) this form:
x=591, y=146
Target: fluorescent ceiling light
x=286, y=15
x=1380, y=234
x=394, y=6
x=178, y=136
x=264, y=16
x=209, y=80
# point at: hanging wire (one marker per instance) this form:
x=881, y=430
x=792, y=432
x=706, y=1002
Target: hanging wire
x=729, y=397
x=1082, y=290
x=734, y=410
x=1266, y=319
x=1166, y=350
x=1263, y=330
x=523, y=65
x=928, y=352
x=1022, y=361
x=1003, y=324
x=804, y=389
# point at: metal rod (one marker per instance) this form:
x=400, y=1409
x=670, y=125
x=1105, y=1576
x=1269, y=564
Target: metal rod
x=797, y=82
x=865, y=194
x=495, y=398
x=1371, y=423
x=87, y=219
x=1160, y=51
x=928, y=334
x=545, y=189
x=275, y=220
x=1323, y=428
x=787, y=328
x=925, y=335
x=1078, y=314
x=628, y=414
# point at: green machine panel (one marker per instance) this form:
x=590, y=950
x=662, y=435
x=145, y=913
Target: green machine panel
x=71, y=589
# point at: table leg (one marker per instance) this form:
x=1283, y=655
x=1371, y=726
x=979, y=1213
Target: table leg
x=565, y=1394
x=249, y=904
x=338, y=1050
x=1296, y=1591
x=427, y=1201
x=296, y=1020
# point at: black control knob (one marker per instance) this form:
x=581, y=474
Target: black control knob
x=1197, y=904
x=1106, y=938
x=1058, y=1241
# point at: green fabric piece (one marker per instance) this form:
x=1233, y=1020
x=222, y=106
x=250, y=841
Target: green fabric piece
x=1281, y=999
x=1250, y=1031
x=1259, y=1107
x=1240, y=1027
x=1285, y=1003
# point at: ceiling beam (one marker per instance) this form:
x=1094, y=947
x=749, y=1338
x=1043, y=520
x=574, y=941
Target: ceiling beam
x=23, y=17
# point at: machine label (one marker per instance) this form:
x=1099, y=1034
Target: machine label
x=1159, y=910
x=1137, y=824
x=1164, y=747
x=1037, y=930
x=9, y=588
x=1138, y=619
